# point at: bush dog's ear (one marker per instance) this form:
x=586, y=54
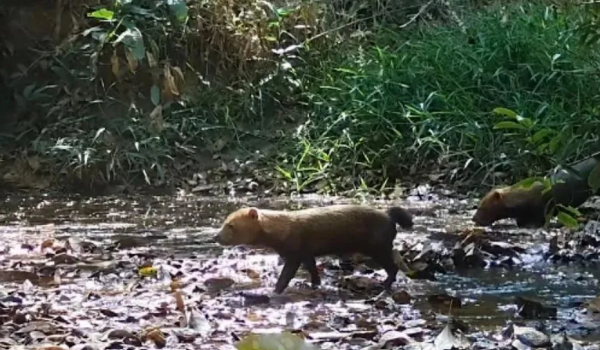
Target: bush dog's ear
x=253, y=213
x=497, y=195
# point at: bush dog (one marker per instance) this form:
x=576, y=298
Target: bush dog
x=300, y=236
x=528, y=206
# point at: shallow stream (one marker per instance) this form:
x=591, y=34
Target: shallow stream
x=83, y=295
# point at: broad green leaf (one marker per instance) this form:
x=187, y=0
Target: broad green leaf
x=133, y=39
x=547, y=181
x=553, y=144
x=155, y=95
x=104, y=14
x=567, y=220
x=528, y=123
x=547, y=185
x=528, y=182
x=571, y=210
x=179, y=9
x=541, y=148
x=282, y=341
x=594, y=178
x=505, y=112
x=509, y=125
x=284, y=12
x=541, y=134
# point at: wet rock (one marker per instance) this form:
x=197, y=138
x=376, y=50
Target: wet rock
x=562, y=342
x=8, y=343
x=218, y=283
x=530, y=308
x=422, y=270
x=589, y=241
x=108, y=313
x=502, y=249
x=86, y=347
x=553, y=246
x=125, y=336
x=473, y=258
x=414, y=323
x=361, y=284
x=332, y=336
x=64, y=259
x=458, y=325
x=401, y=297
x=251, y=299
x=36, y=336
x=128, y=242
x=394, y=338
x=444, y=302
x=78, y=246
x=44, y=327
x=530, y=337
x=414, y=332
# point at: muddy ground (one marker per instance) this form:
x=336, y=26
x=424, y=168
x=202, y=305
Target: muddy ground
x=142, y=272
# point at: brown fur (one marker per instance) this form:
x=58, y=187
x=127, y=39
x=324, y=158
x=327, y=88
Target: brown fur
x=527, y=206
x=301, y=235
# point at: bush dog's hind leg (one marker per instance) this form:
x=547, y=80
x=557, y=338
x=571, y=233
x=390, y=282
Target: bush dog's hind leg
x=288, y=272
x=310, y=265
x=387, y=262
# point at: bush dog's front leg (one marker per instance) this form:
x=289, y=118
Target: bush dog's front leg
x=288, y=272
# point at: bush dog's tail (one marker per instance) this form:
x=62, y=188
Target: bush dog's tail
x=401, y=216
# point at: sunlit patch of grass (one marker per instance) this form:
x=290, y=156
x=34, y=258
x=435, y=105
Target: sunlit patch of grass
x=421, y=100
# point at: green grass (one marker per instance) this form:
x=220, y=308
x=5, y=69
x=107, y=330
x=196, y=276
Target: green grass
x=375, y=109
x=418, y=100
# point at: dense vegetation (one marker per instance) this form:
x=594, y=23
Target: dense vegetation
x=309, y=96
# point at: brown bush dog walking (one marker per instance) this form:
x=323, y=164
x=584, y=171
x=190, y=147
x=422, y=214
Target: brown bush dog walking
x=302, y=235
x=529, y=206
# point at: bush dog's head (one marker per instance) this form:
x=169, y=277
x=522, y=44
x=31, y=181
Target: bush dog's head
x=240, y=228
x=491, y=208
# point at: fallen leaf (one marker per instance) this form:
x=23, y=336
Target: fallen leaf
x=283, y=341
x=446, y=340
x=147, y=271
